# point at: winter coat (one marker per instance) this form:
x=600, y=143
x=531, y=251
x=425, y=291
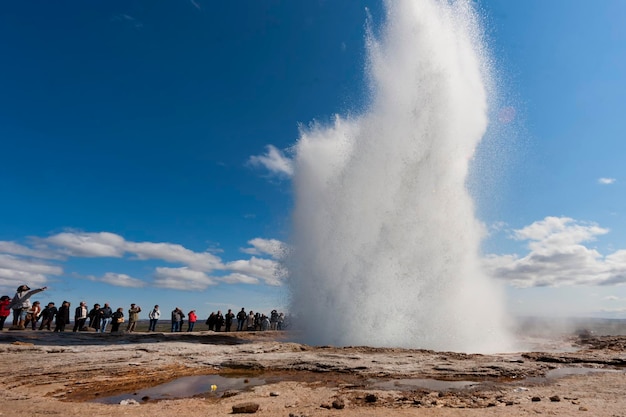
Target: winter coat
x=133, y=313
x=192, y=317
x=48, y=313
x=106, y=312
x=5, y=308
x=21, y=299
x=63, y=315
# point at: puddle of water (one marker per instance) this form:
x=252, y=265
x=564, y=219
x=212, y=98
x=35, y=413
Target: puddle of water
x=190, y=386
x=414, y=383
x=567, y=371
x=185, y=387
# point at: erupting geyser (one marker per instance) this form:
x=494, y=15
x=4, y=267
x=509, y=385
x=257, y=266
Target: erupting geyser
x=386, y=245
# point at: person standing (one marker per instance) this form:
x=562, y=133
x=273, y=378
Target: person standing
x=154, y=316
x=63, y=317
x=273, y=320
x=211, y=321
x=250, y=321
x=21, y=303
x=94, y=317
x=32, y=315
x=281, y=320
x=228, y=320
x=241, y=319
x=117, y=319
x=5, y=310
x=105, y=317
x=192, y=320
x=219, y=321
x=176, y=319
x=47, y=316
x=133, y=317
x=80, y=317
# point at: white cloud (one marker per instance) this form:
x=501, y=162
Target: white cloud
x=237, y=278
x=266, y=269
x=122, y=280
x=274, y=161
x=89, y=245
x=558, y=257
x=273, y=247
x=555, y=231
x=182, y=279
x=611, y=298
x=203, y=261
x=15, y=271
x=17, y=249
x=10, y=279
x=606, y=181
x=194, y=274
x=37, y=267
x=104, y=244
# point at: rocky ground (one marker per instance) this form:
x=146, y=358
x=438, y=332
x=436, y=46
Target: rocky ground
x=66, y=374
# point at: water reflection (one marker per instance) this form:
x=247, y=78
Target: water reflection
x=188, y=386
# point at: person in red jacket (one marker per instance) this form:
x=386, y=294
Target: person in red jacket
x=5, y=309
x=192, y=320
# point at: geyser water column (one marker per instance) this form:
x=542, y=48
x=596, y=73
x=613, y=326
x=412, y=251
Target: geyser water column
x=385, y=240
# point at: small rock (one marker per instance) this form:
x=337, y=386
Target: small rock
x=274, y=394
x=535, y=399
x=338, y=404
x=130, y=401
x=245, y=408
x=326, y=406
x=371, y=398
x=229, y=393
x=555, y=398
x=581, y=408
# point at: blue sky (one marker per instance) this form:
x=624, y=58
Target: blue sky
x=145, y=147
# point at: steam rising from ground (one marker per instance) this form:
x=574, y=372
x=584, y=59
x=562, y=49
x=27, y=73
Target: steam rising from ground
x=386, y=243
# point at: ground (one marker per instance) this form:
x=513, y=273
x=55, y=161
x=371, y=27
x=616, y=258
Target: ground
x=64, y=374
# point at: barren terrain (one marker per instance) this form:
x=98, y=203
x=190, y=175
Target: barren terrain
x=67, y=374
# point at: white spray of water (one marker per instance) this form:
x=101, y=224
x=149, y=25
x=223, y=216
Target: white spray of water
x=385, y=241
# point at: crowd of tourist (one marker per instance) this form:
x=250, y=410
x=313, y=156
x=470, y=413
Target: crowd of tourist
x=28, y=314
